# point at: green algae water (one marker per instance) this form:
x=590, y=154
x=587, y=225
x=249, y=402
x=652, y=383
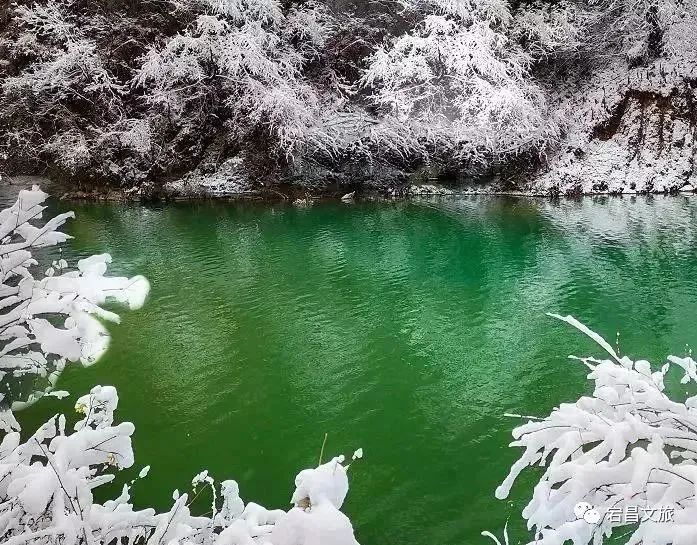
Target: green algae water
x=408, y=329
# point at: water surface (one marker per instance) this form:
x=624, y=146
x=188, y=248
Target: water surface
x=408, y=329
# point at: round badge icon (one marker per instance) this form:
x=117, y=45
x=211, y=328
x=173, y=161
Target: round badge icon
x=581, y=509
x=592, y=516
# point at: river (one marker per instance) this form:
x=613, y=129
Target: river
x=405, y=328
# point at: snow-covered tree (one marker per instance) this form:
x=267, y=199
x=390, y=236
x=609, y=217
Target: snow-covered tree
x=619, y=462
x=634, y=27
x=460, y=80
x=245, y=59
x=543, y=29
x=63, y=81
x=67, y=65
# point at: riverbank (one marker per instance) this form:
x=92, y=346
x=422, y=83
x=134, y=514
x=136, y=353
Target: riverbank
x=302, y=196
x=597, y=98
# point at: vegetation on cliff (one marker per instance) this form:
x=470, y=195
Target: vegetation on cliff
x=247, y=93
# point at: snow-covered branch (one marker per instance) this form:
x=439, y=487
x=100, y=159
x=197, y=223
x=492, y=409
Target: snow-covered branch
x=46, y=485
x=49, y=317
x=622, y=460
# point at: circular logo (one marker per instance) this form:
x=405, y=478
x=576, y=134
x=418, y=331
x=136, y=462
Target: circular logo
x=581, y=509
x=592, y=516
x=584, y=510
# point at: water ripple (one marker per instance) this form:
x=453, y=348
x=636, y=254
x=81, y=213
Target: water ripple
x=407, y=329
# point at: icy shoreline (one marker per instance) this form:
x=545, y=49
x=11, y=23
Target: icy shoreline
x=393, y=194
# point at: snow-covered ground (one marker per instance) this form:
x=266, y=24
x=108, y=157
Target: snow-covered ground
x=631, y=129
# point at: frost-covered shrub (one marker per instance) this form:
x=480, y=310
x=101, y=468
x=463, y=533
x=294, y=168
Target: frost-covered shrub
x=60, y=91
x=72, y=72
x=71, y=149
x=620, y=462
x=635, y=28
x=46, y=485
x=48, y=316
x=544, y=29
x=64, y=61
x=459, y=80
x=45, y=25
x=244, y=61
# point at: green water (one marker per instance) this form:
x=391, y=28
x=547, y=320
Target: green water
x=407, y=329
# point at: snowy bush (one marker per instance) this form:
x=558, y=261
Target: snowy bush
x=61, y=81
x=544, y=29
x=49, y=317
x=46, y=485
x=75, y=71
x=635, y=27
x=459, y=80
x=621, y=461
x=246, y=58
x=67, y=64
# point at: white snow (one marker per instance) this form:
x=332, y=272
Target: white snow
x=649, y=145
x=627, y=447
x=52, y=320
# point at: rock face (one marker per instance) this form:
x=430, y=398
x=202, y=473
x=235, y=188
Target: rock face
x=230, y=179
x=647, y=144
x=632, y=126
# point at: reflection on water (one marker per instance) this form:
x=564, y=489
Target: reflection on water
x=408, y=329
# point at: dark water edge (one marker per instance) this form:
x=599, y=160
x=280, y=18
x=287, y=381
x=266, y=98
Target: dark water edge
x=407, y=328
x=326, y=192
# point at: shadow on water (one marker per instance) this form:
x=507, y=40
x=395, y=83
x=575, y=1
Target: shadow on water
x=405, y=328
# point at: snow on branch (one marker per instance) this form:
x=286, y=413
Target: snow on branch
x=461, y=81
x=49, y=317
x=246, y=56
x=621, y=461
x=68, y=64
x=46, y=497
